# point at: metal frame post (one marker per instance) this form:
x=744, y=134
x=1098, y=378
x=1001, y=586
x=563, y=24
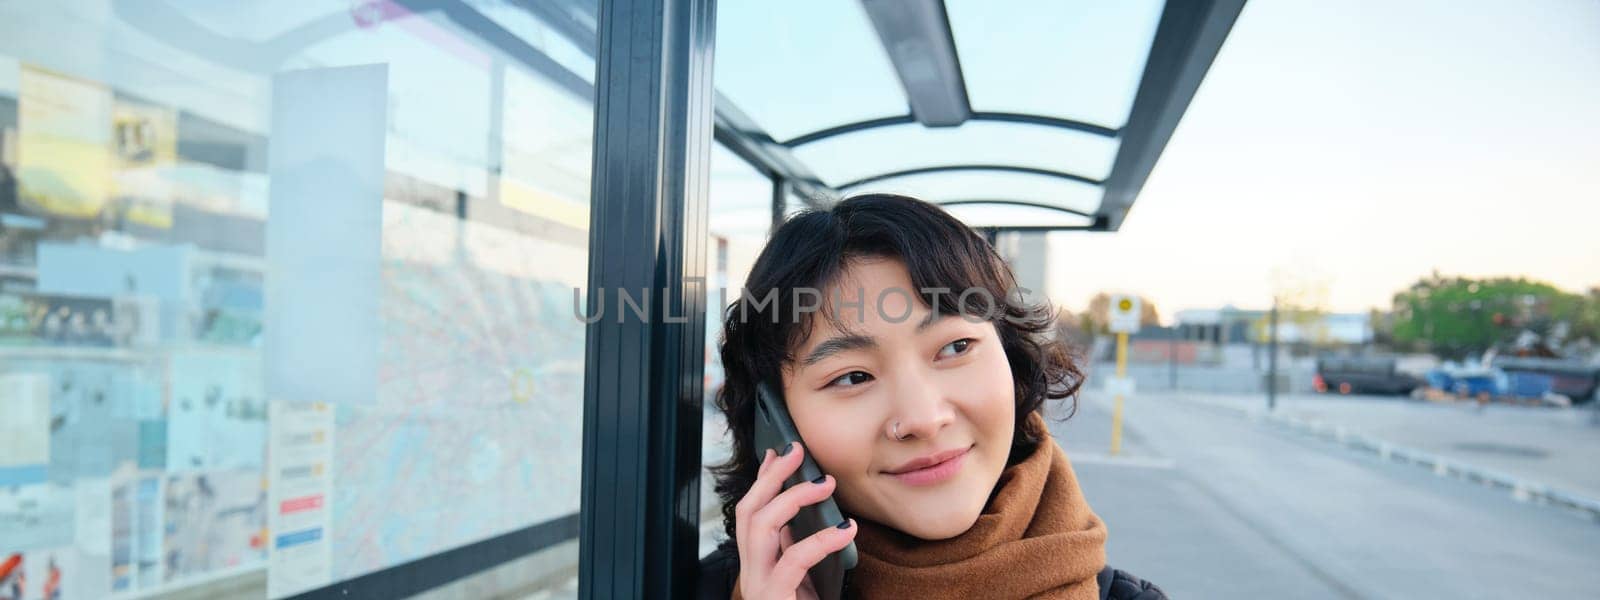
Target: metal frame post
x=640, y=506
x=781, y=188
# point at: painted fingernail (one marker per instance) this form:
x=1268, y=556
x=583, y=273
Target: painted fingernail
x=820, y=479
x=845, y=524
x=786, y=448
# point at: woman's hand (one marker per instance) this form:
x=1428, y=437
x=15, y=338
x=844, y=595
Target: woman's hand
x=772, y=565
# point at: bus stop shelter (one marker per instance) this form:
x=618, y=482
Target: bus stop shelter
x=1038, y=129
x=361, y=222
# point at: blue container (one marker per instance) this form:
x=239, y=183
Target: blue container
x=1529, y=385
x=1474, y=384
x=1439, y=379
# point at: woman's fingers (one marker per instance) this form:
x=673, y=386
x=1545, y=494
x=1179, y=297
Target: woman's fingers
x=807, y=589
x=785, y=539
x=797, y=560
x=766, y=461
x=786, y=505
x=747, y=504
x=758, y=547
x=766, y=542
x=769, y=479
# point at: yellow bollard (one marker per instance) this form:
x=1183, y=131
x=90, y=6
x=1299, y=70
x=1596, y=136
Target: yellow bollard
x=1116, y=415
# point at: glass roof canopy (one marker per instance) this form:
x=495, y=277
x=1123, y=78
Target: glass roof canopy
x=1014, y=115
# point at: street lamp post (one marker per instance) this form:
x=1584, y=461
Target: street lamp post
x=1272, y=356
x=1172, y=357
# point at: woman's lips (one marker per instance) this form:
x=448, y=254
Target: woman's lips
x=934, y=473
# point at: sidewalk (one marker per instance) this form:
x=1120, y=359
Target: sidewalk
x=1169, y=528
x=1086, y=435
x=1558, y=448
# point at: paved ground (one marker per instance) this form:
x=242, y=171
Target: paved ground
x=1210, y=504
x=1556, y=447
x=1246, y=510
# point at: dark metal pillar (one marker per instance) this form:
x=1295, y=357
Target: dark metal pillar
x=781, y=188
x=639, y=523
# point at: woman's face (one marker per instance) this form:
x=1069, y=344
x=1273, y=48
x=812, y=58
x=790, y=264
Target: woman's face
x=946, y=381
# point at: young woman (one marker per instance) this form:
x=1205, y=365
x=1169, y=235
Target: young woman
x=917, y=377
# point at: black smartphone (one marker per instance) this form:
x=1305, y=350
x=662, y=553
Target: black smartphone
x=774, y=429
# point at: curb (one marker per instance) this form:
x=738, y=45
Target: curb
x=1521, y=490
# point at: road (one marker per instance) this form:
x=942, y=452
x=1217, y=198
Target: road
x=1212, y=505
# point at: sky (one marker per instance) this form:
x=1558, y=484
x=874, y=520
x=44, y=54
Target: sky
x=1348, y=148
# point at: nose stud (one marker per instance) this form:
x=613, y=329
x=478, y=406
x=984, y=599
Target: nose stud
x=897, y=432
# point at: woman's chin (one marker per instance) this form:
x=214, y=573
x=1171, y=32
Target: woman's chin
x=940, y=527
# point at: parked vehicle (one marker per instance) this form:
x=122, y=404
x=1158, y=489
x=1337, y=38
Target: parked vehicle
x=1573, y=379
x=1362, y=375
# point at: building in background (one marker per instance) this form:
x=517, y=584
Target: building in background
x=1230, y=325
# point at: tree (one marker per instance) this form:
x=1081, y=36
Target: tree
x=1302, y=299
x=1071, y=327
x=1586, y=323
x=1456, y=317
x=1382, y=324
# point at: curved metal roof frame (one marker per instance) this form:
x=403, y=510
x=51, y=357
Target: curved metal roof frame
x=1026, y=203
x=1187, y=39
x=1000, y=117
x=975, y=167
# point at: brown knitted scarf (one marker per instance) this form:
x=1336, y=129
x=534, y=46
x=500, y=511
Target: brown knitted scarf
x=1037, y=538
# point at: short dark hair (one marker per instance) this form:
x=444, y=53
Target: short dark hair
x=811, y=250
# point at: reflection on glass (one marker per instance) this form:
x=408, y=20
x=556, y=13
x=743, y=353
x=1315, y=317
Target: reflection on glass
x=168, y=415
x=740, y=212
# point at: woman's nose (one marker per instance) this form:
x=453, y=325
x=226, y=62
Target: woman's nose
x=920, y=408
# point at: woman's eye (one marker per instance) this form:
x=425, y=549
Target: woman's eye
x=956, y=348
x=851, y=379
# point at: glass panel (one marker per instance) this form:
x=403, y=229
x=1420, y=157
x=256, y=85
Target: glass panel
x=740, y=197
x=1011, y=215
x=991, y=185
x=845, y=158
x=341, y=231
x=797, y=67
x=545, y=38
x=740, y=214
x=1074, y=60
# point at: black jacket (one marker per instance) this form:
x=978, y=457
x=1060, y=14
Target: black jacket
x=718, y=570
